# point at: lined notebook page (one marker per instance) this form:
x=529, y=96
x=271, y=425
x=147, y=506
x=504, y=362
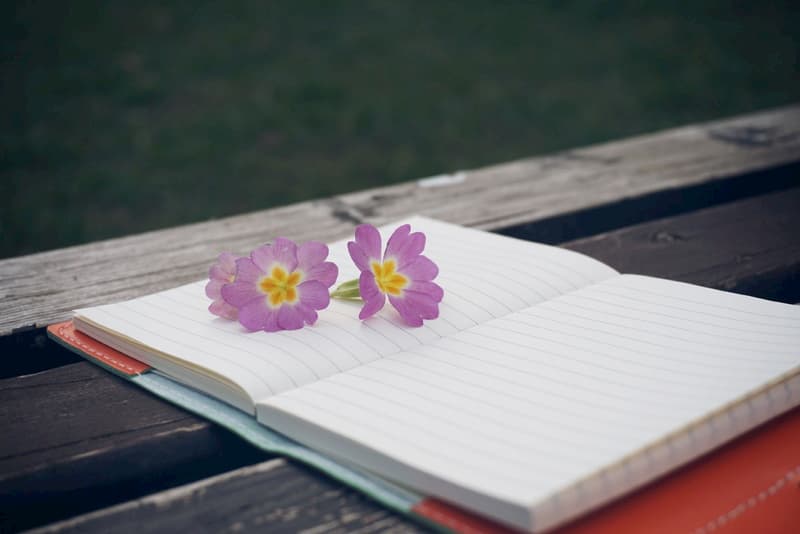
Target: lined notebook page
x=484, y=276
x=508, y=415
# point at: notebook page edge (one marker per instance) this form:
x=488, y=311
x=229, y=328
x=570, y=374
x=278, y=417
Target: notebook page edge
x=197, y=377
x=608, y=484
x=516, y=514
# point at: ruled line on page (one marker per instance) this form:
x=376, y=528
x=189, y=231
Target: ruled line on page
x=225, y=366
x=392, y=378
x=236, y=336
x=530, y=269
x=648, y=285
x=365, y=431
x=465, y=444
x=541, y=257
x=449, y=420
x=459, y=425
x=719, y=362
x=628, y=298
x=531, y=279
x=620, y=366
x=660, y=340
x=515, y=395
x=525, y=403
x=460, y=363
x=559, y=373
x=489, y=288
x=510, y=460
x=685, y=325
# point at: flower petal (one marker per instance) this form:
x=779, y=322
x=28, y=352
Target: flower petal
x=421, y=269
x=369, y=239
x=282, y=251
x=314, y=294
x=407, y=311
x=239, y=294
x=325, y=272
x=247, y=271
x=224, y=267
x=309, y=314
x=431, y=289
x=227, y=261
x=258, y=316
x=221, y=308
x=358, y=256
x=367, y=286
x=217, y=272
x=263, y=257
x=372, y=306
x=397, y=240
x=310, y=254
x=213, y=289
x=410, y=250
x=422, y=304
x=290, y=318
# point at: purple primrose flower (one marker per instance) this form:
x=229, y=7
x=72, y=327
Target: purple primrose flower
x=403, y=275
x=281, y=286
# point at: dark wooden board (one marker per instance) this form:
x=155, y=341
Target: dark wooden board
x=77, y=438
x=43, y=288
x=289, y=499
x=749, y=246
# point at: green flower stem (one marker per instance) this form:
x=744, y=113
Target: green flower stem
x=347, y=291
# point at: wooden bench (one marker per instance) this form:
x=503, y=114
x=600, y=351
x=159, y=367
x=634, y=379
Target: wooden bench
x=715, y=204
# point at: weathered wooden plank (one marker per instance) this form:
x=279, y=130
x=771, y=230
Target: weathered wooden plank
x=748, y=246
x=43, y=288
x=289, y=499
x=751, y=246
x=79, y=438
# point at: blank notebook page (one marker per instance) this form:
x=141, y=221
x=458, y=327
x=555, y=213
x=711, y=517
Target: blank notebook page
x=526, y=405
x=484, y=276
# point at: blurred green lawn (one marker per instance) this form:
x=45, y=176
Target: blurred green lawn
x=119, y=117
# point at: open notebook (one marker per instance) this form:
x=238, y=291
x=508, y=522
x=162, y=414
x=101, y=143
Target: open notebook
x=549, y=385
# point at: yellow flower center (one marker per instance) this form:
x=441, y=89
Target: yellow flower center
x=280, y=286
x=388, y=280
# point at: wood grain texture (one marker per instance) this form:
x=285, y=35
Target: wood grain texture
x=76, y=438
x=275, y=496
x=749, y=246
x=43, y=288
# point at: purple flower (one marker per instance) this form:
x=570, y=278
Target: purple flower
x=221, y=273
x=403, y=274
x=280, y=286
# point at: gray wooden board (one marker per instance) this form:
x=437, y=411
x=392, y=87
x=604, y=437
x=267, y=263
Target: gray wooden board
x=749, y=246
x=43, y=288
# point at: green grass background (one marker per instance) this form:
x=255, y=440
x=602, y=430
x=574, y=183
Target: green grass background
x=119, y=117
